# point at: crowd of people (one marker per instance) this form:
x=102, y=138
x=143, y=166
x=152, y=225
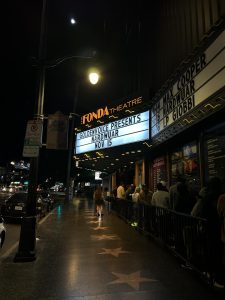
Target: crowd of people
x=208, y=203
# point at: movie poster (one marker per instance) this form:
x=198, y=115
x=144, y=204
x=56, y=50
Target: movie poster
x=184, y=163
x=159, y=171
x=190, y=162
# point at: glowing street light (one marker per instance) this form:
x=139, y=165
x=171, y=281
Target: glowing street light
x=93, y=78
x=27, y=244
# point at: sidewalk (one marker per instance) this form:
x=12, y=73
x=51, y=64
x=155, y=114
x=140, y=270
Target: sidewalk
x=82, y=258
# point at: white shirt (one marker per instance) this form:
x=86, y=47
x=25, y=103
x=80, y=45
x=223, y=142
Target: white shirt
x=160, y=199
x=120, y=192
x=135, y=197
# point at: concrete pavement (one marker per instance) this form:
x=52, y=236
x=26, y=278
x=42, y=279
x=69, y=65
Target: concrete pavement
x=82, y=257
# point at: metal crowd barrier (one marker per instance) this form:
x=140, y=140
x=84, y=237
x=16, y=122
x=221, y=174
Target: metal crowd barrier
x=184, y=235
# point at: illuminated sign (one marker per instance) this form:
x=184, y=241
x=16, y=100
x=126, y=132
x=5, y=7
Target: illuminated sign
x=97, y=175
x=101, y=112
x=204, y=77
x=120, y=132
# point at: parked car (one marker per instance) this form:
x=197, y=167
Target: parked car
x=16, y=206
x=48, y=199
x=2, y=232
x=58, y=187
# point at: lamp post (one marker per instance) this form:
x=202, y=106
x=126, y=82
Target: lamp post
x=27, y=243
x=93, y=79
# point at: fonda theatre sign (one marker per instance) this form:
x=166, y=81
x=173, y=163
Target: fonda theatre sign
x=128, y=130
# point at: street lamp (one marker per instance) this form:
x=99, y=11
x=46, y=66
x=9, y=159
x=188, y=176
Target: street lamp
x=27, y=243
x=93, y=79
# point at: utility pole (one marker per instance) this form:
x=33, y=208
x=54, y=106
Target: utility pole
x=27, y=243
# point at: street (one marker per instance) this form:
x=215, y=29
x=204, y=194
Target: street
x=12, y=236
x=11, y=239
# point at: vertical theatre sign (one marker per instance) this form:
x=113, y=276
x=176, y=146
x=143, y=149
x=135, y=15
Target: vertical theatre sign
x=57, y=131
x=202, y=79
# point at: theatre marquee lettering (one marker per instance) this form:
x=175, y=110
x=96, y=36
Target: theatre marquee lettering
x=124, y=131
x=204, y=77
x=106, y=111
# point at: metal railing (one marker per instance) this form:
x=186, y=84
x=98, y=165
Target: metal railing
x=184, y=235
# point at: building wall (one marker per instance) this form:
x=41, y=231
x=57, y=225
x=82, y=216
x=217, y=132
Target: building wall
x=182, y=26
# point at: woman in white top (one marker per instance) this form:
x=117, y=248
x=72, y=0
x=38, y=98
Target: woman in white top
x=160, y=198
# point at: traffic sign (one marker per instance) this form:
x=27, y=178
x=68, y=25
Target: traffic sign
x=30, y=151
x=33, y=135
x=33, y=138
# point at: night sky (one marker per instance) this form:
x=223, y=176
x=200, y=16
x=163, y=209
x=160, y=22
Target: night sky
x=107, y=29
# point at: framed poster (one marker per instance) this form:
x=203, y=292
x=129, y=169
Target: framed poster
x=184, y=162
x=159, y=171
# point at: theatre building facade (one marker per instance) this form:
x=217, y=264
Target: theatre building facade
x=188, y=119
x=179, y=132
x=187, y=122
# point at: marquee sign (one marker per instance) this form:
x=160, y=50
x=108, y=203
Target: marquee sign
x=120, y=132
x=203, y=78
x=107, y=111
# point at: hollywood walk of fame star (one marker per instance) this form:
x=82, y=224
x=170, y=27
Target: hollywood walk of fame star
x=93, y=222
x=100, y=228
x=90, y=217
x=132, y=279
x=115, y=252
x=105, y=237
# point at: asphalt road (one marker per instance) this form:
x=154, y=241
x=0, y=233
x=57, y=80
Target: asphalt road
x=13, y=231
x=11, y=239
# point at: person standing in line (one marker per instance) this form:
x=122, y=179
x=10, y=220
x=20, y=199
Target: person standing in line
x=145, y=203
x=145, y=194
x=114, y=197
x=173, y=194
x=209, y=212
x=135, y=202
x=129, y=192
x=221, y=212
x=164, y=185
x=121, y=199
x=160, y=198
x=180, y=198
x=121, y=192
x=114, y=192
